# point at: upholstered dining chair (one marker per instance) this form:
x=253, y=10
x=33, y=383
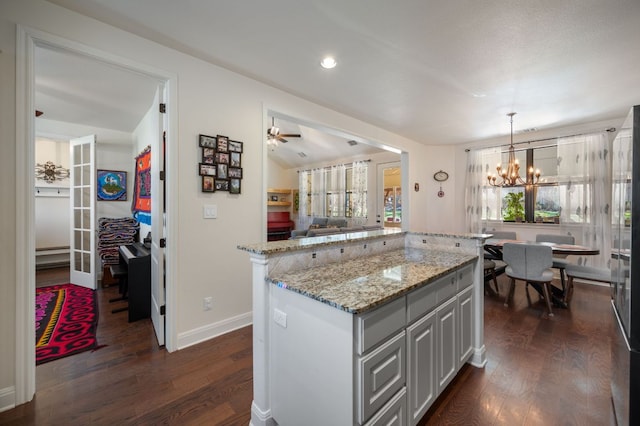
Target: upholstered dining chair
x=530, y=263
x=559, y=261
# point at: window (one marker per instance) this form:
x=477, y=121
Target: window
x=560, y=194
x=335, y=191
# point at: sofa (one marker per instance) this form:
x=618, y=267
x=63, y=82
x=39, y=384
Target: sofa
x=279, y=226
x=321, y=226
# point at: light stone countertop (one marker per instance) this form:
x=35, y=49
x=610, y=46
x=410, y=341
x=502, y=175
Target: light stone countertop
x=358, y=285
x=281, y=246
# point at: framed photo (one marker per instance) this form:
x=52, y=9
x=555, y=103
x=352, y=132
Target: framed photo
x=208, y=169
x=223, y=171
x=208, y=155
x=235, y=172
x=222, y=158
x=112, y=185
x=207, y=141
x=208, y=184
x=222, y=184
x=223, y=143
x=235, y=146
x=234, y=186
x=234, y=159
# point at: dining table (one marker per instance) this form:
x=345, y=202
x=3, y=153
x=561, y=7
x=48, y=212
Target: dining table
x=494, y=247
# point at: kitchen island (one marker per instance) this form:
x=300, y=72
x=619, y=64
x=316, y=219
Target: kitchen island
x=363, y=328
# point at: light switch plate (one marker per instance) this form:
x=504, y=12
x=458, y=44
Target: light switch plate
x=210, y=211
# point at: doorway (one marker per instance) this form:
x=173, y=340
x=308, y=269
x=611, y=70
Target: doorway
x=28, y=42
x=389, y=198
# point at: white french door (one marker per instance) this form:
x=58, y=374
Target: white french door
x=82, y=198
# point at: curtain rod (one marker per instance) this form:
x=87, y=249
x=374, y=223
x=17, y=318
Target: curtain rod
x=329, y=167
x=610, y=129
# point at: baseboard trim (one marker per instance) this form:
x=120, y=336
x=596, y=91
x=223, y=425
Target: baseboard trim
x=7, y=398
x=201, y=334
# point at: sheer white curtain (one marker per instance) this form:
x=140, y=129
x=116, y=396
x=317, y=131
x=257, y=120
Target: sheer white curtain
x=318, y=192
x=359, y=174
x=474, y=180
x=585, y=163
x=337, y=190
x=304, y=184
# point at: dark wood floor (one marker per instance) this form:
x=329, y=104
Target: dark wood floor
x=540, y=372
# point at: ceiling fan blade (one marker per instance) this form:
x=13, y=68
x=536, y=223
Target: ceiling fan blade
x=281, y=139
x=290, y=135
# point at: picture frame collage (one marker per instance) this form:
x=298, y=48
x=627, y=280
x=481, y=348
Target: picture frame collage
x=221, y=164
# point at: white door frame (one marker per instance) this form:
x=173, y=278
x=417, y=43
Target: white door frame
x=27, y=39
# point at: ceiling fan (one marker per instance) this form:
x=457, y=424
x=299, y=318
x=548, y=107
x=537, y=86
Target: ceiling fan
x=273, y=133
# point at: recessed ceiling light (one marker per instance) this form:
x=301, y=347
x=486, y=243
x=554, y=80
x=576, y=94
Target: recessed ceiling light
x=479, y=95
x=328, y=63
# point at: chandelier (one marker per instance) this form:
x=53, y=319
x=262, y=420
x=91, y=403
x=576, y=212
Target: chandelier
x=511, y=174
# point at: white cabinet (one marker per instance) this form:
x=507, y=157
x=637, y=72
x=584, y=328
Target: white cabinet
x=465, y=332
x=381, y=374
x=421, y=364
x=446, y=330
x=394, y=413
x=384, y=367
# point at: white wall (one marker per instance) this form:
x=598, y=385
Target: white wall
x=208, y=263
x=52, y=199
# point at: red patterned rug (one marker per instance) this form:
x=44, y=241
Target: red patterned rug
x=66, y=321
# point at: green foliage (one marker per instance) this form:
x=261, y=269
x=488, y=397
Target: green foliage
x=514, y=206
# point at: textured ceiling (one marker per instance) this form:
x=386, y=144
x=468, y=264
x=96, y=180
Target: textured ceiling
x=434, y=71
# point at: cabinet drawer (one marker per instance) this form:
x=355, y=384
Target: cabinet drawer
x=465, y=277
x=380, y=375
x=447, y=288
x=423, y=300
x=375, y=326
x=393, y=413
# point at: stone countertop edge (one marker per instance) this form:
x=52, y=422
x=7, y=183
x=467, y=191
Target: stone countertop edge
x=283, y=246
x=363, y=291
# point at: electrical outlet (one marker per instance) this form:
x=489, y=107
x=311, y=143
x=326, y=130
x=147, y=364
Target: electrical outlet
x=280, y=318
x=207, y=303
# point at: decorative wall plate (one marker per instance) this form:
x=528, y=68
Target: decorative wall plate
x=441, y=176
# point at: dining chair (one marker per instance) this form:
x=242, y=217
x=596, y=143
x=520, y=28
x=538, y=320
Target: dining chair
x=559, y=261
x=530, y=263
x=589, y=273
x=490, y=275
